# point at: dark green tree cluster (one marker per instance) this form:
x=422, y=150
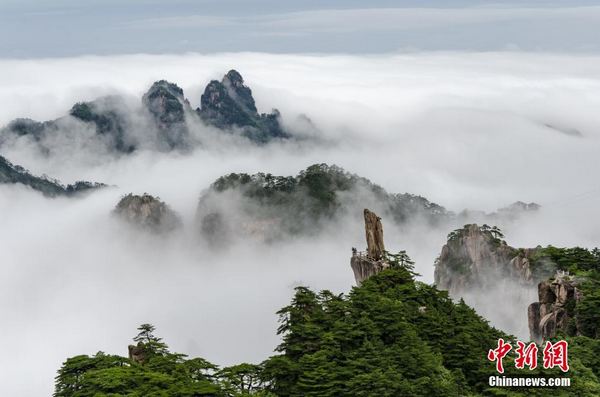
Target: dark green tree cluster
x=318, y=193
x=154, y=372
x=392, y=336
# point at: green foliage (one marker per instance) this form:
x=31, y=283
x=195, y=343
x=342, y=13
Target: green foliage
x=320, y=192
x=162, y=373
x=398, y=336
x=588, y=309
x=400, y=260
x=576, y=260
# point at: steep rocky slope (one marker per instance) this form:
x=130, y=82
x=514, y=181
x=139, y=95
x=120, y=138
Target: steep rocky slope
x=229, y=104
x=475, y=257
x=501, y=281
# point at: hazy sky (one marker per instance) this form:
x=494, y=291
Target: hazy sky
x=43, y=28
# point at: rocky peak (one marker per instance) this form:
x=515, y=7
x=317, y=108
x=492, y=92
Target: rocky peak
x=147, y=212
x=229, y=104
x=166, y=104
x=234, y=83
x=165, y=101
x=366, y=264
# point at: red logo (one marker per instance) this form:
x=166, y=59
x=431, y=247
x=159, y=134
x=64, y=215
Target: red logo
x=555, y=355
x=526, y=356
x=499, y=353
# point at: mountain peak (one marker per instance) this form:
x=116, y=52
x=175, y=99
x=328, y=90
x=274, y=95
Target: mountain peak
x=234, y=77
x=163, y=88
x=165, y=102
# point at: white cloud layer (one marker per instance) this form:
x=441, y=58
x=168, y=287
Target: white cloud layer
x=462, y=129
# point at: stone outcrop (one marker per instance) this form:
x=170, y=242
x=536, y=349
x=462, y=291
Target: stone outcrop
x=555, y=308
x=366, y=264
x=475, y=257
x=499, y=281
x=147, y=212
x=374, y=234
x=137, y=353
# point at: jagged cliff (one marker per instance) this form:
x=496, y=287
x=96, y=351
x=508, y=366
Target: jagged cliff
x=475, y=257
x=229, y=104
x=555, y=309
x=501, y=282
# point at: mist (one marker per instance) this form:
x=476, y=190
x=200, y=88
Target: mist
x=464, y=130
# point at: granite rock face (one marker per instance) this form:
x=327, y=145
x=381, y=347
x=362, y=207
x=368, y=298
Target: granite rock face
x=374, y=235
x=475, y=257
x=499, y=281
x=366, y=264
x=147, y=212
x=554, y=311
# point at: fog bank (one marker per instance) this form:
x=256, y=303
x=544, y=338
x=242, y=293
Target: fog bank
x=465, y=130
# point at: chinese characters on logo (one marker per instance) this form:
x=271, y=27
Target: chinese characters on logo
x=555, y=355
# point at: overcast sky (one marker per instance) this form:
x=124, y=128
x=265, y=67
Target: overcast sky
x=44, y=28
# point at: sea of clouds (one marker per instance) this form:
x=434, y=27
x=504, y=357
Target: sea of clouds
x=465, y=130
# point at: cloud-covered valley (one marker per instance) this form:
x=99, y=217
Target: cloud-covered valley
x=464, y=130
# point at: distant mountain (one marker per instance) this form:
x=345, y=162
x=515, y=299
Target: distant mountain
x=266, y=205
x=162, y=121
x=14, y=174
